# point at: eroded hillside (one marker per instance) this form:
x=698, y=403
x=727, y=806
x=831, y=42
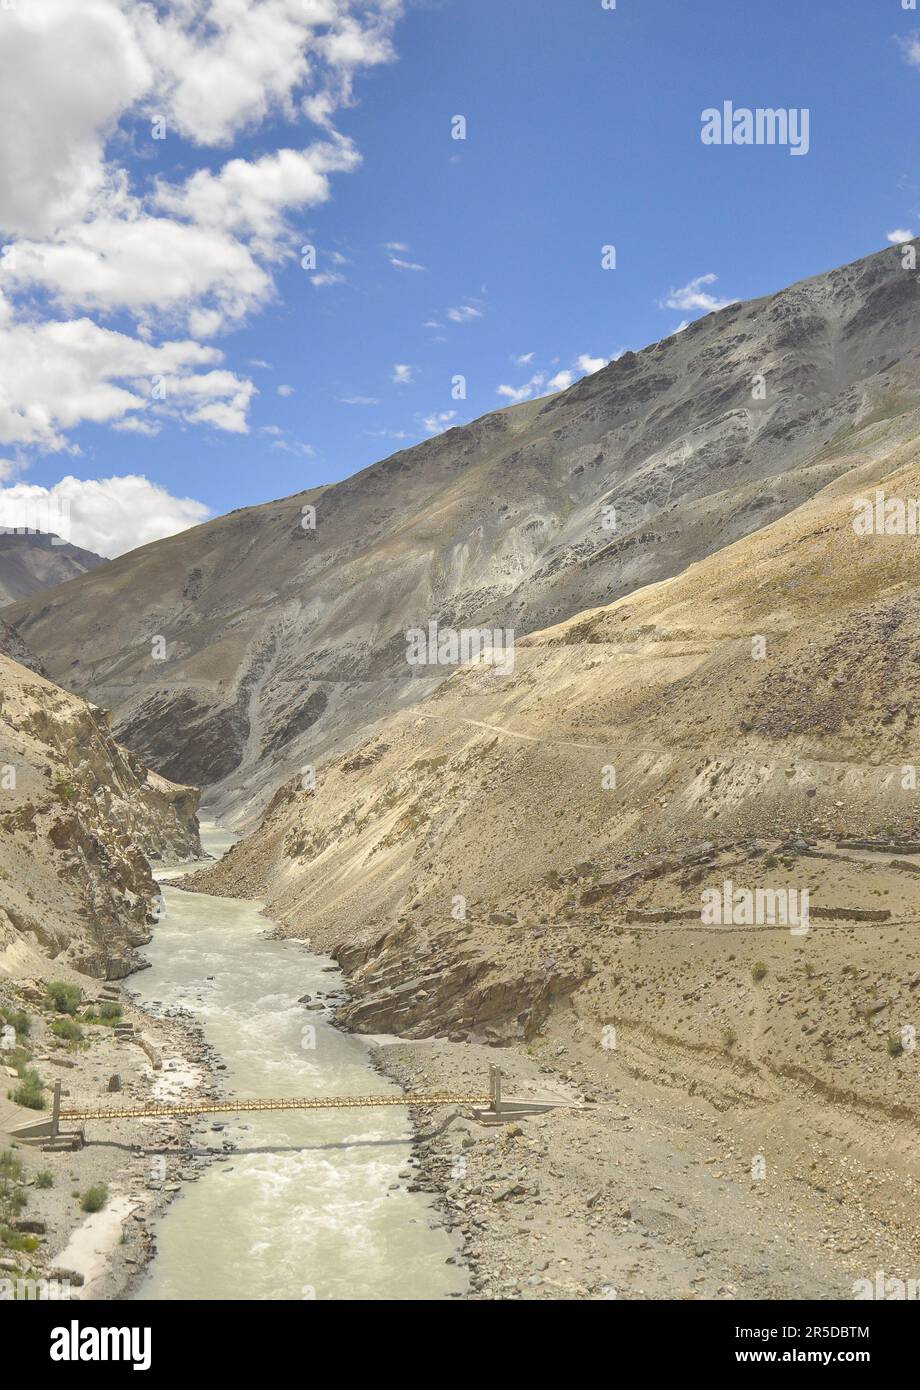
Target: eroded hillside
x=79, y=819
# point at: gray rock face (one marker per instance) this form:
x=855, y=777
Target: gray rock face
x=12, y=645
x=285, y=643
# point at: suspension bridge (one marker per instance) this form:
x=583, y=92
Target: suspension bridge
x=490, y=1106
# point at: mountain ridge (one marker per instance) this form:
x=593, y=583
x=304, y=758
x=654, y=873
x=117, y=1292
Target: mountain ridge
x=284, y=643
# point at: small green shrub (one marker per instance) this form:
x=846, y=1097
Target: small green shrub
x=10, y=1166
x=29, y=1090
x=64, y=997
x=44, y=1179
x=758, y=971
x=15, y=1240
x=67, y=1029
x=17, y=1019
x=95, y=1198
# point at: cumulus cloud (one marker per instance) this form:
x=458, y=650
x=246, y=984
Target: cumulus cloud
x=403, y=374
x=694, y=296
x=106, y=515
x=561, y=381
x=252, y=196
x=57, y=375
x=195, y=257
x=900, y=234
x=67, y=75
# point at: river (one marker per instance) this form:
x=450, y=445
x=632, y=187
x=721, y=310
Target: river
x=310, y=1205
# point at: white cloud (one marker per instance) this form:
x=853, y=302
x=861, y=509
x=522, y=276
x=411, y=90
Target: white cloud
x=900, y=234
x=438, y=422
x=464, y=313
x=133, y=424
x=293, y=446
x=694, y=296
x=910, y=47
x=403, y=374
x=522, y=393
x=251, y=196
x=285, y=390
x=56, y=375
x=139, y=263
x=195, y=257
x=399, y=247
x=358, y=400
x=67, y=75
x=106, y=515
x=327, y=277
x=560, y=381
x=585, y=365
x=589, y=365
x=524, y=360
x=406, y=265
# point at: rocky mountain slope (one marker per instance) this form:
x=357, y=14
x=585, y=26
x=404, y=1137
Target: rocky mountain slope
x=79, y=819
x=285, y=641
x=32, y=562
x=768, y=692
x=12, y=645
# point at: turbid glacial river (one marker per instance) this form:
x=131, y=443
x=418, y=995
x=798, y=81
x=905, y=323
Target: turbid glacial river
x=311, y=1204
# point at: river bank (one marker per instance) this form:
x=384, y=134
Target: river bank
x=137, y=1165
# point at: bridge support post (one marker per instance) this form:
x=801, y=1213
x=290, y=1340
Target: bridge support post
x=495, y=1090
x=56, y=1110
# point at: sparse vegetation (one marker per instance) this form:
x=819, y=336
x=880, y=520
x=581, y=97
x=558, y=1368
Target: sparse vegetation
x=64, y=997
x=67, y=1029
x=17, y=1019
x=29, y=1090
x=12, y=1200
x=758, y=971
x=94, y=1198
x=106, y=1012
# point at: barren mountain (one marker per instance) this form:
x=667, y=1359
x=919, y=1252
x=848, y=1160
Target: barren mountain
x=79, y=818
x=765, y=697
x=31, y=562
x=285, y=641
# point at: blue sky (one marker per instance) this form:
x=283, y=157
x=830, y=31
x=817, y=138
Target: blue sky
x=436, y=256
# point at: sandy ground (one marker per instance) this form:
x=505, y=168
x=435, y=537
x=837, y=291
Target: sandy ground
x=750, y=1123
x=651, y=1192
